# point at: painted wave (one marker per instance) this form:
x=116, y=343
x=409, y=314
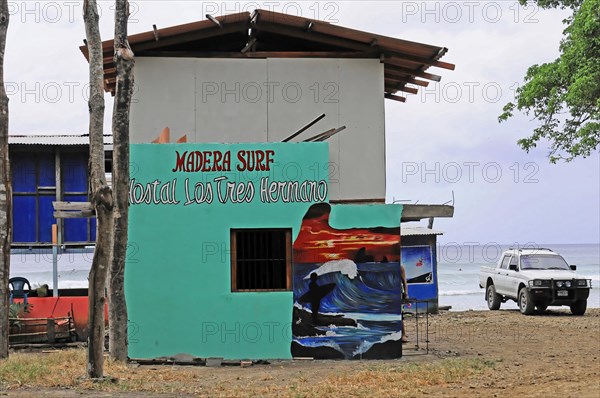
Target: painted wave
x=375, y=290
x=366, y=345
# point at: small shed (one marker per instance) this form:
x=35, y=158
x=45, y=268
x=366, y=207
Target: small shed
x=419, y=256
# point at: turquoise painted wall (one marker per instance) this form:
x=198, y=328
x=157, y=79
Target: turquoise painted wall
x=178, y=284
x=348, y=216
x=178, y=279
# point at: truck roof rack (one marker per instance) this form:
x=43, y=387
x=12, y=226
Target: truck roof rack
x=531, y=248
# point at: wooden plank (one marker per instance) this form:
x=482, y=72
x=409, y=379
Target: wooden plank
x=78, y=206
x=50, y=330
x=73, y=214
x=395, y=97
x=400, y=77
x=401, y=87
x=392, y=66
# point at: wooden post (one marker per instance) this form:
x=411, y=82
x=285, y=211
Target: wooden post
x=54, y=261
x=50, y=330
x=5, y=192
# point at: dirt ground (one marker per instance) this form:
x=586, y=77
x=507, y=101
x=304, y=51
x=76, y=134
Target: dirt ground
x=552, y=354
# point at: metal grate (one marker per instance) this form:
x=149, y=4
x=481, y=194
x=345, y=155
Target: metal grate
x=261, y=259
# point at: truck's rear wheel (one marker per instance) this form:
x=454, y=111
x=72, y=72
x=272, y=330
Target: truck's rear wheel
x=526, y=305
x=579, y=307
x=493, y=299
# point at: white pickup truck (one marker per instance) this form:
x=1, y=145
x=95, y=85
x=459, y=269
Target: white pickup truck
x=534, y=278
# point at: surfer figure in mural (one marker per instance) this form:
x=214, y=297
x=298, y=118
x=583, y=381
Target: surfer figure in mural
x=314, y=296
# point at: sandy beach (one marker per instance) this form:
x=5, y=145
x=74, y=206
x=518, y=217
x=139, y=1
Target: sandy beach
x=554, y=354
x=472, y=353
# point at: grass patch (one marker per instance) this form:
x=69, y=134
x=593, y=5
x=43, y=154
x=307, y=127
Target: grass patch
x=66, y=369
x=388, y=380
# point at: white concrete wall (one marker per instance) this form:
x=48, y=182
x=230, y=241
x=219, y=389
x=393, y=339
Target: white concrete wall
x=259, y=100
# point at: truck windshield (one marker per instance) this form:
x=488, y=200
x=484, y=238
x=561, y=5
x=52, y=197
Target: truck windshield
x=543, y=261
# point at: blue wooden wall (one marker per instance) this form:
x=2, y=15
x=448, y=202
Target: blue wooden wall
x=34, y=190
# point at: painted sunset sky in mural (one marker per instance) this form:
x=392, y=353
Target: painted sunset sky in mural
x=319, y=243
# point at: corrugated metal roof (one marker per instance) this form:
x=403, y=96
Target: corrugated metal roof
x=268, y=34
x=58, y=140
x=415, y=231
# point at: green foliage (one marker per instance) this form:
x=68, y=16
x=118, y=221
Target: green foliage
x=564, y=95
x=562, y=4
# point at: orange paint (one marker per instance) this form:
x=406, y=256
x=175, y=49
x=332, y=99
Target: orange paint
x=318, y=242
x=57, y=307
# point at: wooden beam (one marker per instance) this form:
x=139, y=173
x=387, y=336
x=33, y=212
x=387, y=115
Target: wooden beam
x=73, y=214
x=401, y=77
x=400, y=86
x=410, y=90
x=424, y=75
x=395, y=97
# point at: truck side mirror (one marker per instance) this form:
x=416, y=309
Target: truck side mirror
x=513, y=267
x=573, y=267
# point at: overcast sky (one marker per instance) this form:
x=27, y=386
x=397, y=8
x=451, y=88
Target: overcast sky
x=443, y=143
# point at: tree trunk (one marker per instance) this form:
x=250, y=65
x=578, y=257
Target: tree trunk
x=102, y=199
x=5, y=191
x=120, y=126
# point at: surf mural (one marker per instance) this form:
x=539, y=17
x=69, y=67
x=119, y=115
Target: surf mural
x=347, y=295
x=417, y=263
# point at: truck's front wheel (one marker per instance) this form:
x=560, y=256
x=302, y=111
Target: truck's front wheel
x=579, y=307
x=493, y=298
x=526, y=306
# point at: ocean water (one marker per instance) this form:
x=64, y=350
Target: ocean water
x=36, y=265
x=458, y=270
x=458, y=273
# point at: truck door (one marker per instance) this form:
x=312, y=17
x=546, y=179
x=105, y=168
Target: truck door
x=500, y=280
x=512, y=278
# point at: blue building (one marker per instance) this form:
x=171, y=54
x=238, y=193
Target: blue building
x=48, y=168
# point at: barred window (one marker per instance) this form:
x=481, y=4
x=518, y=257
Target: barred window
x=261, y=260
